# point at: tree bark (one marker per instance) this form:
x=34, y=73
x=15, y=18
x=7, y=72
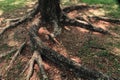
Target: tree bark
x=62, y=61
x=50, y=10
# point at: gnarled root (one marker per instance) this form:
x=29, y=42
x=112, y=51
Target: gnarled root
x=57, y=31
x=83, y=24
x=36, y=58
x=60, y=60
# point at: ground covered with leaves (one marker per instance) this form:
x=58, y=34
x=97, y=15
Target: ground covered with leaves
x=91, y=49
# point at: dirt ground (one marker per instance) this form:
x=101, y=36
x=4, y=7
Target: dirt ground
x=91, y=49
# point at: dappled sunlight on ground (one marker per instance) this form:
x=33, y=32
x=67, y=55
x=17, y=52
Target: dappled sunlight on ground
x=30, y=3
x=1, y=12
x=16, y=3
x=2, y=0
x=19, y=6
x=97, y=12
x=116, y=51
x=102, y=24
x=73, y=14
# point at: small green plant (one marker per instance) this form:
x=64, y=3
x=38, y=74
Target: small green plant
x=103, y=53
x=90, y=46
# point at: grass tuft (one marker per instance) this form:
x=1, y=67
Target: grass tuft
x=8, y=5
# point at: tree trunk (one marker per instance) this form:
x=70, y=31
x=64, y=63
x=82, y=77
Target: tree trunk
x=50, y=10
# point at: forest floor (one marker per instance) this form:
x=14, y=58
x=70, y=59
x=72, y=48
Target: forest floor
x=91, y=49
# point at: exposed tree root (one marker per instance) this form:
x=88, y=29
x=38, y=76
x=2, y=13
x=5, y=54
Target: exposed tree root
x=12, y=20
x=18, y=21
x=79, y=7
x=83, y=24
x=60, y=60
x=14, y=58
x=31, y=64
x=39, y=62
x=35, y=58
x=57, y=31
x=111, y=20
x=115, y=21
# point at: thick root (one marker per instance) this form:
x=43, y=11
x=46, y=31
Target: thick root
x=111, y=20
x=83, y=24
x=60, y=60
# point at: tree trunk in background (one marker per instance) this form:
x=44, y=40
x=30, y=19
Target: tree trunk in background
x=50, y=10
